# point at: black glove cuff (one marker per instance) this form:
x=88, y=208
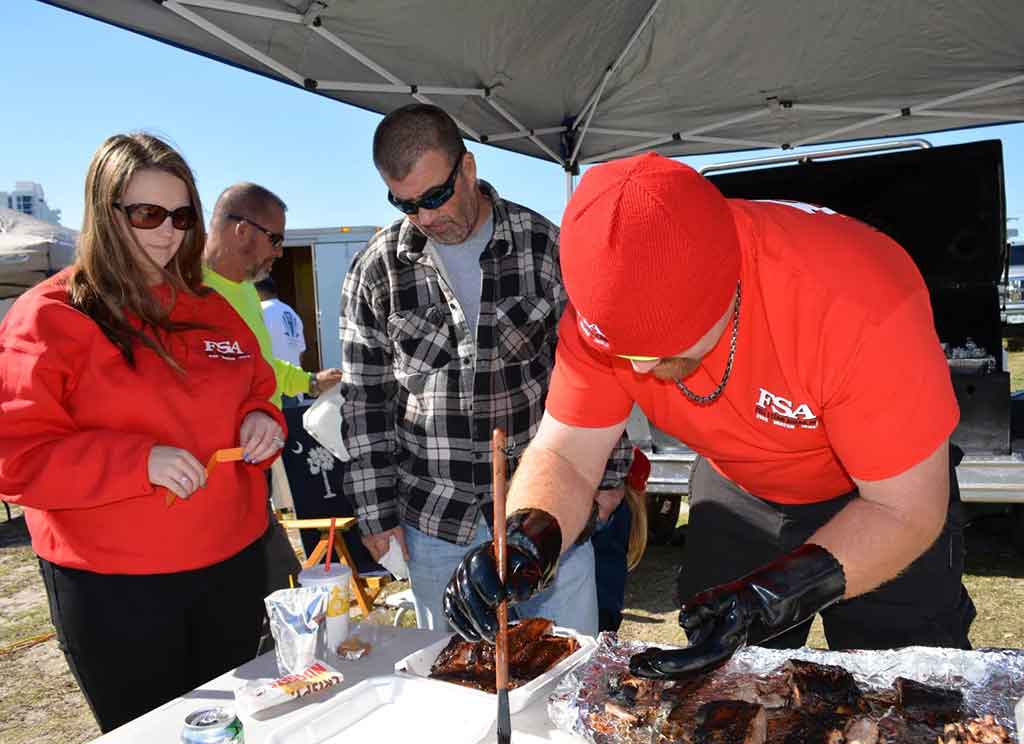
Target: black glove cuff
x=815, y=567
x=538, y=534
x=793, y=588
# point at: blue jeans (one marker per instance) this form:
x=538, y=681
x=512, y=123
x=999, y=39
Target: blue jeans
x=571, y=601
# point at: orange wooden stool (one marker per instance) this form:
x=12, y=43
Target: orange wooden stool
x=364, y=588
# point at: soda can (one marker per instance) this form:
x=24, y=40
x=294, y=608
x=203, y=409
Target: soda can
x=212, y=726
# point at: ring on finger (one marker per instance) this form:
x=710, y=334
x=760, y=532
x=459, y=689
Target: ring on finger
x=278, y=441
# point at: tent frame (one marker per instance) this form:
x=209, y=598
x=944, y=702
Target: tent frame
x=574, y=132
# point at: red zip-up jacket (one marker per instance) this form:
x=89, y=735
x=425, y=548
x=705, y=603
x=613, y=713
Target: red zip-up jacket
x=77, y=425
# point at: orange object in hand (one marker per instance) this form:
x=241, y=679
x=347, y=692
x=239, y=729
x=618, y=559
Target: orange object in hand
x=229, y=454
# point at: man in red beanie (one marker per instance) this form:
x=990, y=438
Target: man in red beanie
x=765, y=335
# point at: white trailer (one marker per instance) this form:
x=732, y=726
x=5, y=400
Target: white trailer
x=309, y=277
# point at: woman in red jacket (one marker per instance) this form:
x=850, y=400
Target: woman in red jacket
x=119, y=378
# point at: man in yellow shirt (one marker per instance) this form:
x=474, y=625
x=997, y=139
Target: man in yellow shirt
x=246, y=235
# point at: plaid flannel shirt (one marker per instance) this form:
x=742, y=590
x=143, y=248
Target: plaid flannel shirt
x=421, y=396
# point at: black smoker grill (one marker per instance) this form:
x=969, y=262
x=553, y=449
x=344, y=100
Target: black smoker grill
x=946, y=207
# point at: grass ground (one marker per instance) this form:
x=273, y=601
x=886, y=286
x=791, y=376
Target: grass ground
x=41, y=704
x=1017, y=368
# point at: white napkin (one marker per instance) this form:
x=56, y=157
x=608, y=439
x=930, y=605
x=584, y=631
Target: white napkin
x=394, y=561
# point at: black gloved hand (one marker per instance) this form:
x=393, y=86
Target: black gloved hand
x=534, y=542
x=760, y=606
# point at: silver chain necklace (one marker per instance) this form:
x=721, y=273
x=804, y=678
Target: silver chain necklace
x=702, y=400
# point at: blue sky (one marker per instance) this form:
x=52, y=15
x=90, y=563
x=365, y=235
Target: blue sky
x=69, y=82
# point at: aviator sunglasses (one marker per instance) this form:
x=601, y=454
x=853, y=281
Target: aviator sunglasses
x=276, y=239
x=434, y=198
x=151, y=216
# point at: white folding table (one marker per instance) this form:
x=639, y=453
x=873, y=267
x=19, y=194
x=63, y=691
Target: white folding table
x=164, y=724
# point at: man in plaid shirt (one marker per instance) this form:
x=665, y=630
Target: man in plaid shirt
x=448, y=329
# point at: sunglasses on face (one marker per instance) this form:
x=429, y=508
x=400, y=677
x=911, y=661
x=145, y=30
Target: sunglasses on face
x=276, y=239
x=151, y=216
x=434, y=198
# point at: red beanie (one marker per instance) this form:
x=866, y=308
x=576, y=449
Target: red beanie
x=650, y=257
x=639, y=471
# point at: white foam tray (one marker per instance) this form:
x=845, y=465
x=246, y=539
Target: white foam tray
x=417, y=665
x=390, y=709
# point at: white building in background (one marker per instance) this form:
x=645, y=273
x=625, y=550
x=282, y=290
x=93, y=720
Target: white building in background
x=28, y=198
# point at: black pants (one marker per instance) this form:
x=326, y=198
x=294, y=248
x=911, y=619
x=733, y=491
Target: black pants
x=135, y=642
x=731, y=533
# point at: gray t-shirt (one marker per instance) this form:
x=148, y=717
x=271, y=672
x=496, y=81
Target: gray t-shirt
x=462, y=269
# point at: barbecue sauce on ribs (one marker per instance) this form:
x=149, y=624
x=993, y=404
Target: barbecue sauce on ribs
x=532, y=650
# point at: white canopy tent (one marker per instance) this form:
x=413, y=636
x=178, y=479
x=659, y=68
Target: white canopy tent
x=30, y=250
x=581, y=81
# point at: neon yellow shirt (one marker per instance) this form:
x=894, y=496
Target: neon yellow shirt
x=291, y=380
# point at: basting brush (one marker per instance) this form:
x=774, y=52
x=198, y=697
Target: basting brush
x=500, y=554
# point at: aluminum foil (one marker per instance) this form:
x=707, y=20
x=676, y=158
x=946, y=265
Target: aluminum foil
x=297, y=624
x=992, y=680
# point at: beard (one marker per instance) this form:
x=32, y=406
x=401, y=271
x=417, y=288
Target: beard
x=459, y=226
x=449, y=232
x=675, y=369
x=259, y=272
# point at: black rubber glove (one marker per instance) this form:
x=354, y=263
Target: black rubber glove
x=760, y=606
x=534, y=542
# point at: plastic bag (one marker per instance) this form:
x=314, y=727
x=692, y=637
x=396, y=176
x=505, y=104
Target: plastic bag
x=323, y=422
x=394, y=561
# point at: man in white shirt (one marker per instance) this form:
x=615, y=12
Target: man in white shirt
x=286, y=337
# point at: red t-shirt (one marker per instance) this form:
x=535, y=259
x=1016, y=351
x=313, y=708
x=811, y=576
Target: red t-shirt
x=77, y=425
x=837, y=373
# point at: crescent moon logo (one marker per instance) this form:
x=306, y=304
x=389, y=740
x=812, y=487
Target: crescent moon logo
x=298, y=448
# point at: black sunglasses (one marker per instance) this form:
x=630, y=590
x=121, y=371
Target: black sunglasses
x=151, y=216
x=276, y=239
x=434, y=198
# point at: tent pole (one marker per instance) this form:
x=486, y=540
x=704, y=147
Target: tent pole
x=570, y=185
x=591, y=105
x=694, y=134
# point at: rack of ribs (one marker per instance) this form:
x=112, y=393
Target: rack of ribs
x=532, y=650
x=800, y=702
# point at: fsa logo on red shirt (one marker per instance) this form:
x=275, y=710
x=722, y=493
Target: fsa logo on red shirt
x=593, y=333
x=780, y=411
x=230, y=350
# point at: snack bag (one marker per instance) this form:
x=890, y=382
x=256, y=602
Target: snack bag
x=297, y=624
x=259, y=694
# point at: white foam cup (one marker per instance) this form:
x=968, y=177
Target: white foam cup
x=337, y=579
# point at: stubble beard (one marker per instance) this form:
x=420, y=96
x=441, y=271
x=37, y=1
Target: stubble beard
x=261, y=271
x=675, y=370
x=458, y=229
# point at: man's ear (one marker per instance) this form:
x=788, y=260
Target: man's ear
x=240, y=229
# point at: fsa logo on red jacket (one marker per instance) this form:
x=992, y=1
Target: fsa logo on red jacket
x=230, y=350
x=780, y=411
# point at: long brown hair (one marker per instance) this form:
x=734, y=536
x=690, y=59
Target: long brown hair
x=107, y=282
x=637, y=503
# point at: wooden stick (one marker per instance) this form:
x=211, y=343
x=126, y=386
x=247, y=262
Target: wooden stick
x=499, y=469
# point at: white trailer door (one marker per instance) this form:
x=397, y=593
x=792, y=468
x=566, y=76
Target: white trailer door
x=331, y=261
